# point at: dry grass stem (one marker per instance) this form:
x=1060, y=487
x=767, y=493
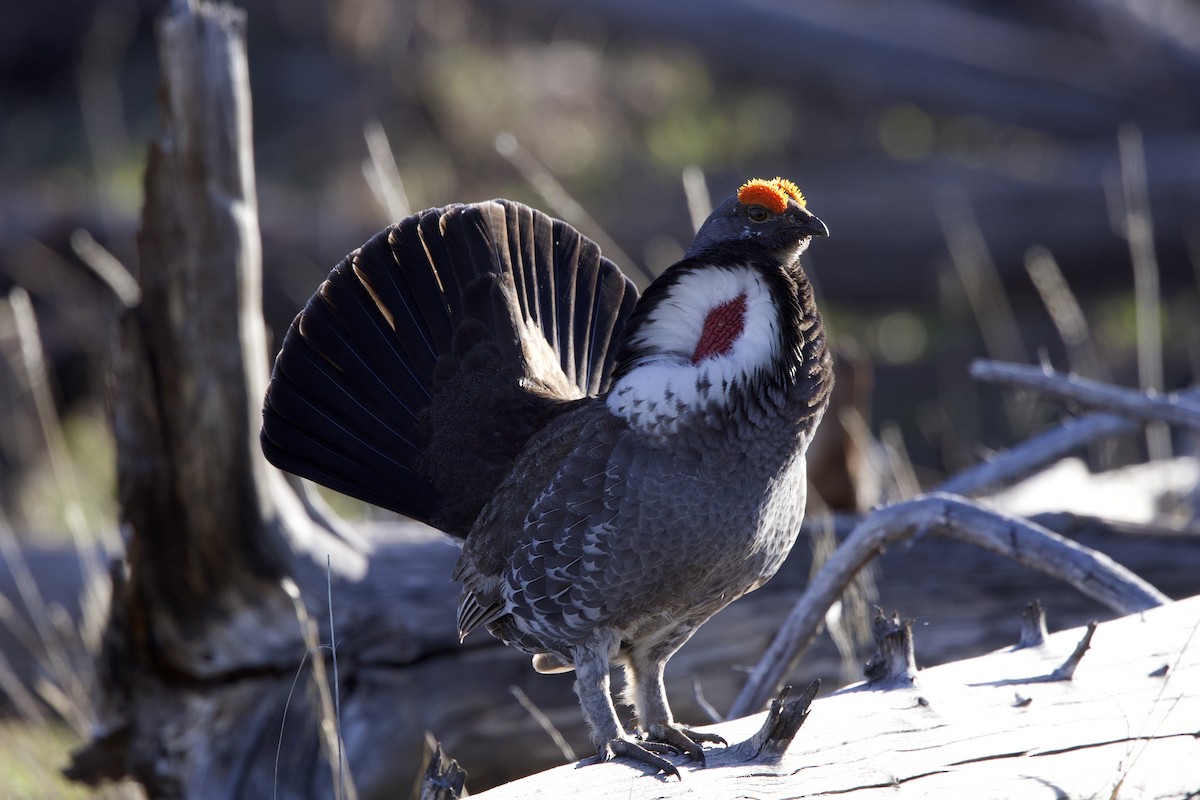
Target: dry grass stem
x=382, y=174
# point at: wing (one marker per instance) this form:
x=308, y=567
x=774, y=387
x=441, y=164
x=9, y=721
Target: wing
x=617, y=534
x=429, y=357
x=561, y=491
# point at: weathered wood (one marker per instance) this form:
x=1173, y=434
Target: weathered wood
x=783, y=721
x=404, y=673
x=1180, y=409
x=191, y=489
x=895, y=659
x=1033, y=625
x=988, y=727
x=1066, y=670
x=1025, y=458
x=213, y=532
x=1026, y=543
x=443, y=779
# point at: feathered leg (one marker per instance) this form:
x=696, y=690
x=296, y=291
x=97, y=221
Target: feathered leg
x=594, y=691
x=644, y=672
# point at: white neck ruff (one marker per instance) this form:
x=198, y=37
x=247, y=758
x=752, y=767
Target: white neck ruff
x=665, y=385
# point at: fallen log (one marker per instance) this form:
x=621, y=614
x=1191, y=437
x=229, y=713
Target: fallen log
x=1007, y=724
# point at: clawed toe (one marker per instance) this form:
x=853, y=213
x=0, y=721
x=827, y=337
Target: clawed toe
x=642, y=752
x=684, y=740
x=701, y=736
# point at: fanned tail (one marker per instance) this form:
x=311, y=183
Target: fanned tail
x=436, y=331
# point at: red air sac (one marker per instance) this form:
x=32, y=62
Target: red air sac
x=722, y=327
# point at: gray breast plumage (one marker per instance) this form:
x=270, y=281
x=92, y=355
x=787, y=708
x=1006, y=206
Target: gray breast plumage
x=629, y=537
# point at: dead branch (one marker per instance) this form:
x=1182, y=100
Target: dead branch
x=1179, y=408
x=1022, y=460
x=1026, y=543
x=192, y=490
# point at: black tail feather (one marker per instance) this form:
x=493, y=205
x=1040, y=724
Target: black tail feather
x=362, y=362
x=611, y=297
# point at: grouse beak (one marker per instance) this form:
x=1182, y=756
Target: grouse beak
x=809, y=224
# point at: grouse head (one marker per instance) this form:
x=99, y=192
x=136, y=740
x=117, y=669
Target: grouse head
x=771, y=215
x=731, y=332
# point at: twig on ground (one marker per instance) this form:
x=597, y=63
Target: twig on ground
x=63, y=672
x=1132, y=221
x=900, y=465
x=13, y=688
x=287, y=704
x=848, y=621
x=341, y=786
x=329, y=713
x=984, y=290
x=698, y=695
x=1065, y=312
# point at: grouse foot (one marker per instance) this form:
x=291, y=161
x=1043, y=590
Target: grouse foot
x=683, y=740
x=643, y=752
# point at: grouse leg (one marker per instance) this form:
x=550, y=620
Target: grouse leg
x=594, y=691
x=644, y=673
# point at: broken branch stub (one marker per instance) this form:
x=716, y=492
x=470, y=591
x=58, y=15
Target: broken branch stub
x=1066, y=670
x=1033, y=625
x=444, y=779
x=779, y=728
x=894, y=662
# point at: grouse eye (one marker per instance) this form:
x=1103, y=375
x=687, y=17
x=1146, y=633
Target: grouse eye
x=758, y=214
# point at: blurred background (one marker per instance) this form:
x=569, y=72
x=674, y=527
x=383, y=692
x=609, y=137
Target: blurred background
x=1000, y=178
